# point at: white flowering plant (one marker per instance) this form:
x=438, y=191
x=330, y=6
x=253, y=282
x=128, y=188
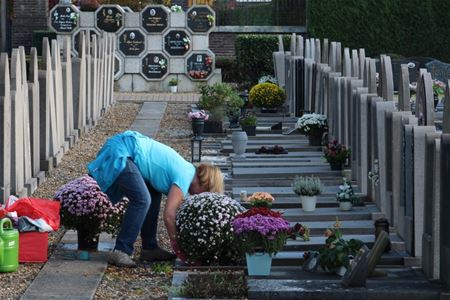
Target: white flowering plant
x=176, y=8
x=311, y=123
x=346, y=193
x=205, y=232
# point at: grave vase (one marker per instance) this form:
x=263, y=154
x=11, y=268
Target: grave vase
x=345, y=205
x=249, y=129
x=197, y=126
x=239, y=141
x=173, y=88
x=308, y=202
x=258, y=263
x=87, y=240
x=315, y=136
x=336, y=166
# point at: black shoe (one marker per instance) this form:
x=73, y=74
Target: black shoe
x=156, y=254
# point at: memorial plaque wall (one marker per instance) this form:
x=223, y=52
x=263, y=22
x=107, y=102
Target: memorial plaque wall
x=200, y=19
x=199, y=66
x=177, y=42
x=131, y=42
x=154, y=66
x=109, y=18
x=154, y=19
x=64, y=18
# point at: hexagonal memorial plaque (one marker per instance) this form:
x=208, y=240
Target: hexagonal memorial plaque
x=200, y=19
x=177, y=42
x=155, y=19
x=200, y=66
x=154, y=66
x=131, y=42
x=64, y=18
x=76, y=38
x=109, y=18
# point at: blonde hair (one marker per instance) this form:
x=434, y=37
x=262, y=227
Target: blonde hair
x=210, y=177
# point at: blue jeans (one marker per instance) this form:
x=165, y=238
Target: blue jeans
x=142, y=212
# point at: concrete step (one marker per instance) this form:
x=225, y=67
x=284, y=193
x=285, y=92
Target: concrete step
x=296, y=147
x=295, y=258
x=279, y=182
x=285, y=172
x=273, y=136
x=317, y=242
x=283, y=203
x=286, y=191
x=293, y=283
x=329, y=214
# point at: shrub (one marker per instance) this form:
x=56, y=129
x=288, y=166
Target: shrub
x=226, y=285
x=214, y=98
x=204, y=228
x=336, y=21
x=336, y=153
x=248, y=120
x=254, y=56
x=267, y=95
x=311, y=124
x=307, y=186
x=228, y=65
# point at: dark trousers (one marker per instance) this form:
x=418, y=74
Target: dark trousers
x=142, y=212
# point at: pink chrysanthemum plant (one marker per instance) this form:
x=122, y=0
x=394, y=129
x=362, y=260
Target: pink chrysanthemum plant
x=261, y=199
x=85, y=207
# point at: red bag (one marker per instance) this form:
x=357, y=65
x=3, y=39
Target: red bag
x=35, y=208
x=33, y=247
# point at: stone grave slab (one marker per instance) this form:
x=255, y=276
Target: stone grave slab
x=439, y=70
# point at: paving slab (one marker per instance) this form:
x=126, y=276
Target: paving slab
x=65, y=276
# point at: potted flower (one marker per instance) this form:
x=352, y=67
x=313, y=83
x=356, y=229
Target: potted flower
x=198, y=118
x=261, y=233
x=214, y=99
x=345, y=196
x=248, y=124
x=335, y=256
x=204, y=225
x=336, y=155
x=234, y=105
x=313, y=125
x=260, y=199
x=85, y=208
x=307, y=188
x=173, y=83
x=267, y=96
x=438, y=90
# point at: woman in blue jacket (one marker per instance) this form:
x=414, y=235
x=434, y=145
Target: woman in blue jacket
x=137, y=167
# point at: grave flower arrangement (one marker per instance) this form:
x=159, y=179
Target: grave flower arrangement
x=438, y=87
x=299, y=231
x=337, y=251
x=346, y=193
x=199, y=114
x=176, y=8
x=267, y=95
x=260, y=199
x=261, y=230
x=205, y=232
x=312, y=123
x=336, y=154
x=85, y=207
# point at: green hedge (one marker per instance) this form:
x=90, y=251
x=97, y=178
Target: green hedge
x=38, y=36
x=254, y=56
x=405, y=27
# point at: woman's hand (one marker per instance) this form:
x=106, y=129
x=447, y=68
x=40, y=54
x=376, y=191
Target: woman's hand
x=174, y=200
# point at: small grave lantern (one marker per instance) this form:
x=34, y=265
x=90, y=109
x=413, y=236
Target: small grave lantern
x=196, y=149
x=382, y=224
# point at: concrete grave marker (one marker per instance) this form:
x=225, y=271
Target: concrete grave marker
x=431, y=232
x=293, y=47
x=404, y=90
x=33, y=94
x=5, y=128
x=355, y=63
x=326, y=47
x=377, y=251
x=425, y=100
x=386, y=79
x=356, y=275
x=300, y=50
x=438, y=70
x=347, y=65
x=318, y=51
x=445, y=211
x=446, y=117
x=280, y=43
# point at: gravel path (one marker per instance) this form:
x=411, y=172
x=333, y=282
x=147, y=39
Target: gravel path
x=147, y=281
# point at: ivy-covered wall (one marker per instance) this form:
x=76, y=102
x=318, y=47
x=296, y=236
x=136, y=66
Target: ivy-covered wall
x=404, y=27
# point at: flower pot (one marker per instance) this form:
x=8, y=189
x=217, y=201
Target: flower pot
x=250, y=130
x=213, y=127
x=336, y=166
x=269, y=110
x=258, y=263
x=341, y=271
x=198, y=126
x=234, y=121
x=239, y=141
x=173, y=88
x=308, y=202
x=345, y=205
x=86, y=240
x=315, y=139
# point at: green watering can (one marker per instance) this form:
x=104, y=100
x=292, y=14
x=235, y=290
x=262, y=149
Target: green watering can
x=9, y=246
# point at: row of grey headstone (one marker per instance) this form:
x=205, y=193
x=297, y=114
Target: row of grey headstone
x=407, y=154
x=42, y=115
